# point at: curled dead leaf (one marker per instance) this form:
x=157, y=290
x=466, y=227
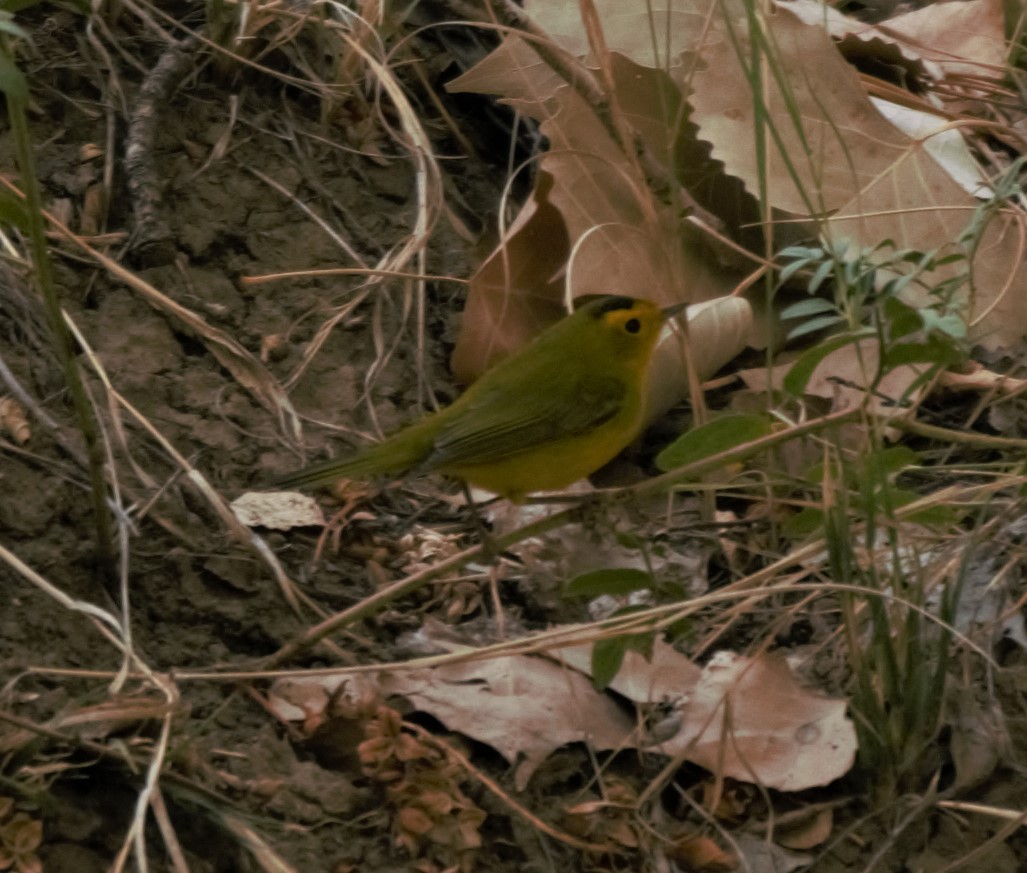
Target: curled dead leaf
x=14, y=421
x=700, y=854
x=805, y=833
x=90, y=151
x=415, y=821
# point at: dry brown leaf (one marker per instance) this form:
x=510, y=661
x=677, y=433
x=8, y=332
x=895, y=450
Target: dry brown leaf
x=524, y=707
x=772, y=730
x=848, y=162
x=942, y=141
x=807, y=833
x=859, y=41
x=747, y=719
x=977, y=740
x=699, y=854
x=763, y=857
x=516, y=291
x=750, y=720
x=627, y=27
x=853, y=165
x=963, y=38
x=278, y=510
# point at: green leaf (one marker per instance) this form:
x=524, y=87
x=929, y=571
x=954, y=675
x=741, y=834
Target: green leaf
x=18, y=5
x=933, y=516
x=934, y=351
x=804, y=523
x=12, y=82
x=823, y=271
x=614, y=581
x=710, y=439
x=13, y=211
x=951, y=325
x=607, y=658
x=891, y=461
x=801, y=253
x=799, y=375
x=789, y=270
x=810, y=306
x=902, y=318
x=631, y=540
x=608, y=655
x=682, y=629
x=814, y=324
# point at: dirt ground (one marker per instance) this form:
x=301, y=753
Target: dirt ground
x=247, y=161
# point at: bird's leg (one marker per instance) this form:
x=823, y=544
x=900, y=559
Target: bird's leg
x=492, y=552
x=593, y=511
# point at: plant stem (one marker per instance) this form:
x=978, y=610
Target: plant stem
x=62, y=340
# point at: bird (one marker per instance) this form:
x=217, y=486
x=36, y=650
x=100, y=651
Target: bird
x=546, y=416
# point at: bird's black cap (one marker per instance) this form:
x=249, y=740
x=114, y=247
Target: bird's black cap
x=611, y=304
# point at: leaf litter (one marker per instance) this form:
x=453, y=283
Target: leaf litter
x=718, y=713
x=744, y=718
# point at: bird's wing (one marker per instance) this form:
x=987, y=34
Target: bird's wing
x=495, y=426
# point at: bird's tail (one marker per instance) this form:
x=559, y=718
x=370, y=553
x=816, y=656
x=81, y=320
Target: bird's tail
x=394, y=457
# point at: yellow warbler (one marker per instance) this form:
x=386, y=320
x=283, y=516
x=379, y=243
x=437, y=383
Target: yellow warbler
x=546, y=416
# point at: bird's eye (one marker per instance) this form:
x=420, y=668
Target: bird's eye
x=632, y=325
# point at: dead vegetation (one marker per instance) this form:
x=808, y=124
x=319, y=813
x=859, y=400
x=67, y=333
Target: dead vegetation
x=791, y=639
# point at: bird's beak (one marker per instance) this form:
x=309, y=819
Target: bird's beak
x=671, y=311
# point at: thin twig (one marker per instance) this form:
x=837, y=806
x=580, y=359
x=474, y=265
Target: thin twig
x=962, y=437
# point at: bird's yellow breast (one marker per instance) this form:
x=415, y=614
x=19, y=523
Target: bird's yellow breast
x=556, y=464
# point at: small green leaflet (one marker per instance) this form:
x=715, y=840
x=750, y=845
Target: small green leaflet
x=616, y=581
x=12, y=82
x=712, y=438
x=13, y=212
x=608, y=655
x=799, y=375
